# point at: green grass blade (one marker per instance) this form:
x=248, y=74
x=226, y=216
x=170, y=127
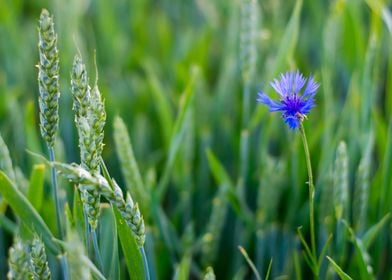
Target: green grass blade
x=221, y=176
x=183, y=269
x=87, y=262
x=362, y=256
x=8, y=225
x=372, y=233
x=178, y=132
x=133, y=258
x=267, y=276
x=308, y=252
x=251, y=264
x=35, y=192
x=26, y=212
x=339, y=271
x=109, y=249
x=324, y=251
x=165, y=116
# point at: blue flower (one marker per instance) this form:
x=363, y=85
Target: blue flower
x=293, y=105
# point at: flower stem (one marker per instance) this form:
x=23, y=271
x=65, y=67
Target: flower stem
x=58, y=205
x=311, y=191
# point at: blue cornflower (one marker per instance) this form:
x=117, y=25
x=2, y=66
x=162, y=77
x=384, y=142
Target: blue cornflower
x=292, y=104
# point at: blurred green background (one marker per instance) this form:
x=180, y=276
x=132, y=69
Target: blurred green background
x=149, y=52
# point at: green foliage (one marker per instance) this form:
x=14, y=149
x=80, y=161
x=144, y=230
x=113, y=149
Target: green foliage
x=207, y=168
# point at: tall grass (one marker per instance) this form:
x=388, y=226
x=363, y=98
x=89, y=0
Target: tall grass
x=191, y=167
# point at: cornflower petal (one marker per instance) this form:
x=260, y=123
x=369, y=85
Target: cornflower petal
x=273, y=105
x=311, y=88
x=277, y=87
x=299, y=82
x=293, y=105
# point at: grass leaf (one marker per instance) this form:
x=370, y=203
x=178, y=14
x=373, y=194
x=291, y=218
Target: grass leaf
x=338, y=270
x=133, y=257
x=372, y=233
x=26, y=212
x=35, y=192
x=178, y=131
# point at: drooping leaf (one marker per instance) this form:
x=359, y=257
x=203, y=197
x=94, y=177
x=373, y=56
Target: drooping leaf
x=26, y=212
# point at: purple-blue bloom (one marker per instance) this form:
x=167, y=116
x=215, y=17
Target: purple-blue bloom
x=293, y=105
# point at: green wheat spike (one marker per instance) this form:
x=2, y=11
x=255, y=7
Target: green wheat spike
x=341, y=185
x=248, y=36
x=48, y=78
x=39, y=263
x=76, y=255
x=79, y=88
x=18, y=261
x=209, y=275
x=326, y=209
x=128, y=162
x=361, y=190
x=215, y=224
x=269, y=191
x=90, y=118
x=87, y=182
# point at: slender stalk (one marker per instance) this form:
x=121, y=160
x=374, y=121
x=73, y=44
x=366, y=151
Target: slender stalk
x=58, y=205
x=55, y=195
x=311, y=191
x=87, y=229
x=145, y=263
x=250, y=263
x=244, y=141
x=98, y=257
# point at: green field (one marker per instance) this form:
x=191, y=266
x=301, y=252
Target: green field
x=217, y=185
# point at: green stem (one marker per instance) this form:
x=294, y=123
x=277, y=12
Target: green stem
x=98, y=257
x=145, y=263
x=311, y=191
x=244, y=143
x=59, y=210
x=87, y=229
x=55, y=195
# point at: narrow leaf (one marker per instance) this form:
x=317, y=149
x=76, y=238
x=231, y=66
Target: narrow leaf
x=183, y=269
x=35, y=192
x=221, y=176
x=26, y=212
x=362, y=256
x=373, y=232
x=133, y=258
x=338, y=270
x=178, y=132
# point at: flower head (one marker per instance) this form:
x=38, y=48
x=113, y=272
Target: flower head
x=293, y=105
